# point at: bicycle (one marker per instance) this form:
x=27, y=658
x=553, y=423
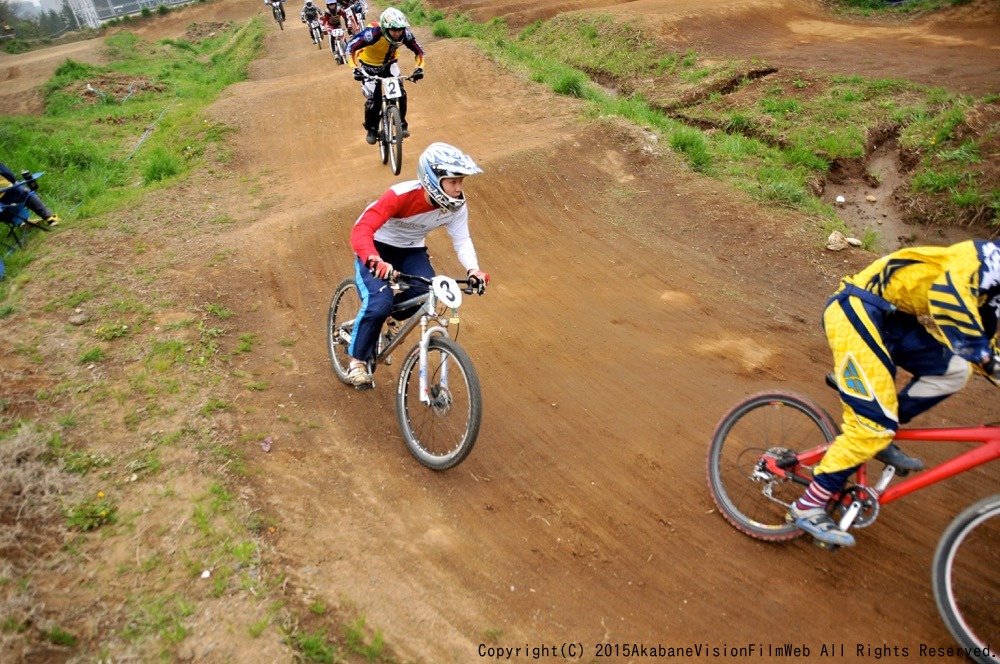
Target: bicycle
x=278, y=14
x=761, y=458
x=390, y=123
x=316, y=32
x=338, y=44
x=438, y=399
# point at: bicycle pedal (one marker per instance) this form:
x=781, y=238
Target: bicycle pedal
x=364, y=387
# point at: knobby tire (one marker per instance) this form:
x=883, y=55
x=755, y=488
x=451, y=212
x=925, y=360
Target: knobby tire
x=395, y=129
x=751, y=427
x=383, y=139
x=440, y=435
x=345, y=305
x=966, y=580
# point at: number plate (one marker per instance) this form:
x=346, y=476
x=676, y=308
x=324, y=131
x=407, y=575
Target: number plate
x=337, y=32
x=391, y=88
x=447, y=291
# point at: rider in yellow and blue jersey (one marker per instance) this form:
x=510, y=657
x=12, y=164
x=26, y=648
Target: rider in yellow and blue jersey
x=373, y=52
x=931, y=311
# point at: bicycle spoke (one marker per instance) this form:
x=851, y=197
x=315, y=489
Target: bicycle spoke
x=966, y=577
x=751, y=497
x=441, y=433
x=344, y=308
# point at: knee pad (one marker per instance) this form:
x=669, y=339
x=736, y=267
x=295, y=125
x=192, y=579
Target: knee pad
x=954, y=378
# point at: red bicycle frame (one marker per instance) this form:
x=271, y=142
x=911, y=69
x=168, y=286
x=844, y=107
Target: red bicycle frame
x=987, y=438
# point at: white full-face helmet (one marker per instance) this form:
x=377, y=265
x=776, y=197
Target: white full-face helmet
x=441, y=160
x=392, y=18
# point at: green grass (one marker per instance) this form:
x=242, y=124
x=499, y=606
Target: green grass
x=790, y=136
x=92, y=513
x=93, y=148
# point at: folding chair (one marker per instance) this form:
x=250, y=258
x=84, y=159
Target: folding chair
x=14, y=215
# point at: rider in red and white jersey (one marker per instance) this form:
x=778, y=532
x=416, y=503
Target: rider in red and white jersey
x=390, y=235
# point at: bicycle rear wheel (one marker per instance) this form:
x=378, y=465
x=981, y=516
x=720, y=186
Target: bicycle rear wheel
x=344, y=309
x=277, y=17
x=394, y=132
x=750, y=497
x=966, y=579
x=440, y=434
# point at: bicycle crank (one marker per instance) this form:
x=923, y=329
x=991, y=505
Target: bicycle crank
x=863, y=501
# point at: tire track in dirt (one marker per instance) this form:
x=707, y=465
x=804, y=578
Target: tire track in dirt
x=633, y=303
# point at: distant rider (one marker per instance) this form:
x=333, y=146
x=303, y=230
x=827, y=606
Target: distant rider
x=335, y=16
x=280, y=4
x=352, y=21
x=373, y=52
x=391, y=235
x=361, y=9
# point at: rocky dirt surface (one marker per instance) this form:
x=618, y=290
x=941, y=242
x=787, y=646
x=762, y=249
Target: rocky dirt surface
x=632, y=304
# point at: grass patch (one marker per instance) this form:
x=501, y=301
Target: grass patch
x=792, y=129
x=80, y=140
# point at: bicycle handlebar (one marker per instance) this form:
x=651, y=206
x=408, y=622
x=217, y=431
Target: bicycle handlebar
x=397, y=275
x=372, y=77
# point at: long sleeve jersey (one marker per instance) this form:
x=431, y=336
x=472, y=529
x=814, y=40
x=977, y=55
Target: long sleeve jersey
x=372, y=48
x=957, y=287
x=403, y=217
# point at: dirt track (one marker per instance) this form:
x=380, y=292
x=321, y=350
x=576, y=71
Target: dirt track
x=633, y=303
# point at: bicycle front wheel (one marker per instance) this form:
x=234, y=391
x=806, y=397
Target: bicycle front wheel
x=383, y=136
x=441, y=433
x=281, y=21
x=966, y=579
x=394, y=132
x=344, y=309
x=750, y=497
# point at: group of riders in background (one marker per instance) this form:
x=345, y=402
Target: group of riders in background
x=347, y=14
x=372, y=50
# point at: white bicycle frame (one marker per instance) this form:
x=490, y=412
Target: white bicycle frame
x=446, y=290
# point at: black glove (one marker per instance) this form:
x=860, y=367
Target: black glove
x=358, y=74
x=479, y=280
x=417, y=74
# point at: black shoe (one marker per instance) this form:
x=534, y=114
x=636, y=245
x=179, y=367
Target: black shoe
x=371, y=137
x=903, y=462
x=406, y=133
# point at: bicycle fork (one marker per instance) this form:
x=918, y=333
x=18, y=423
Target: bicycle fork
x=425, y=336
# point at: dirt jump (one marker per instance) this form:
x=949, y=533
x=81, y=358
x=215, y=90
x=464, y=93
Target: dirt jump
x=633, y=302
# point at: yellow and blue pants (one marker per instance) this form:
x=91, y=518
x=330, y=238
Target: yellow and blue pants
x=870, y=338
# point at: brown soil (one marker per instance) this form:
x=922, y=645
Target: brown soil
x=633, y=303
